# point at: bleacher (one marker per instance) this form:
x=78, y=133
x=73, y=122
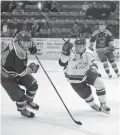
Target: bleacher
x=62, y=20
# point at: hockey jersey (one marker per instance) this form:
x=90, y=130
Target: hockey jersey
x=102, y=39
x=11, y=62
x=77, y=65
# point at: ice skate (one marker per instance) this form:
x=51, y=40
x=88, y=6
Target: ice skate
x=32, y=105
x=110, y=76
x=96, y=107
x=118, y=75
x=27, y=113
x=105, y=108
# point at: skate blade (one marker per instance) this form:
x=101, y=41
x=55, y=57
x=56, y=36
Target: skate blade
x=106, y=112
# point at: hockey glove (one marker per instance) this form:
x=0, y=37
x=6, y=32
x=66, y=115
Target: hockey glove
x=33, y=49
x=112, y=48
x=66, y=48
x=91, y=48
x=34, y=67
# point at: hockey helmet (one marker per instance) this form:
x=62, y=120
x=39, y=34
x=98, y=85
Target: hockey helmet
x=80, y=45
x=102, y=22
x=24, y=39
x=23, y=36
x=79, y=41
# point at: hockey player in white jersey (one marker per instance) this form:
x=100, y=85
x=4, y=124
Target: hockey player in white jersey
x=81, y=71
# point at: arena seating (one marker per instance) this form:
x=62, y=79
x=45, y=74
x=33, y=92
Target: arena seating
x=63, y=20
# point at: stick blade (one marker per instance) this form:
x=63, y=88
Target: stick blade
x=78, y=122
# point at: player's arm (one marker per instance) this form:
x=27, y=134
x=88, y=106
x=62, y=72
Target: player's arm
x=110, y=40
x=92, y=40
x=92, y=72
x=92, y=63
x=63, y=61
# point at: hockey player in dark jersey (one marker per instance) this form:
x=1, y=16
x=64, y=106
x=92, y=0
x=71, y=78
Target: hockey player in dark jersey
x=15, y=72
x=81, y=70
x=104, y=47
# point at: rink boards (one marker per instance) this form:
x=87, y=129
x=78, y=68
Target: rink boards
x=50, y=48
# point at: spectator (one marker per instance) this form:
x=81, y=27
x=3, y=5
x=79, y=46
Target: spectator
x=115, y=29
x=4, y=27
x=117, y=8
x=19, y=7
x=86, y=31
x=105, y=12
x=54, y=7
x=112, y=6
x=89, y=12
x=35, y=29
x=96, y=11
x=75, y=30
x=7, y=6
x=46, y=6
x=94, y=4
x=95, y=27
x=85, y=6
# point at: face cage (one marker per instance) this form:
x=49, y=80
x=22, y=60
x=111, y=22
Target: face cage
x=83, y=47
x=22, y=45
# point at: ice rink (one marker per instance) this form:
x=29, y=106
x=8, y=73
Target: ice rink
x=52, y=118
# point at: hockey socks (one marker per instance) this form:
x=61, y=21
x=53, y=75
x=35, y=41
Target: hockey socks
x=102, y=98
x=106, y=67
x=30, y=94
x=114, y=66
x=91, y=102
x=21, y=107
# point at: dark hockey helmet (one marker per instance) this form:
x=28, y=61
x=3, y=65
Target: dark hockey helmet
x=24, y=39
x=80, y=45
x=102, y=22
x=23, y=36
x=79, y=41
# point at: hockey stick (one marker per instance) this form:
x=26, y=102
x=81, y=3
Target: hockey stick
x=77, y=122
x=39, y=6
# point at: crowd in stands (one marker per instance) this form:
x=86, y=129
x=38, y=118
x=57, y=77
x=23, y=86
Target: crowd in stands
x=92, y=10
x=100, y=11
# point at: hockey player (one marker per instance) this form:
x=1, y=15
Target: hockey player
x=15, y=72
x=104, y=47
x=81, y=70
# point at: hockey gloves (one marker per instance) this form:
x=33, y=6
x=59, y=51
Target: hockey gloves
x=34, y=67
x=92, y=74
x=66, y=48
x=112, y=48
x=33, y=49
x=91, y=48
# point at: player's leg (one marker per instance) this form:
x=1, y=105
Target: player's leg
x=101, y=93
x=16, y=94
x=103, y=58
x=31, y=86
x=84, y=91
x=94, y=78
x=111, y=59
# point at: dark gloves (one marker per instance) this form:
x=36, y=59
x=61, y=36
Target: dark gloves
x=112, y=48
x=91, y=48
x=66, y=48
x=34, y=67
x=33, y=49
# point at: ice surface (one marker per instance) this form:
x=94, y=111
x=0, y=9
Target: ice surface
x=52, y=118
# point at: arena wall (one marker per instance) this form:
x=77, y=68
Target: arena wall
x=50, y=48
